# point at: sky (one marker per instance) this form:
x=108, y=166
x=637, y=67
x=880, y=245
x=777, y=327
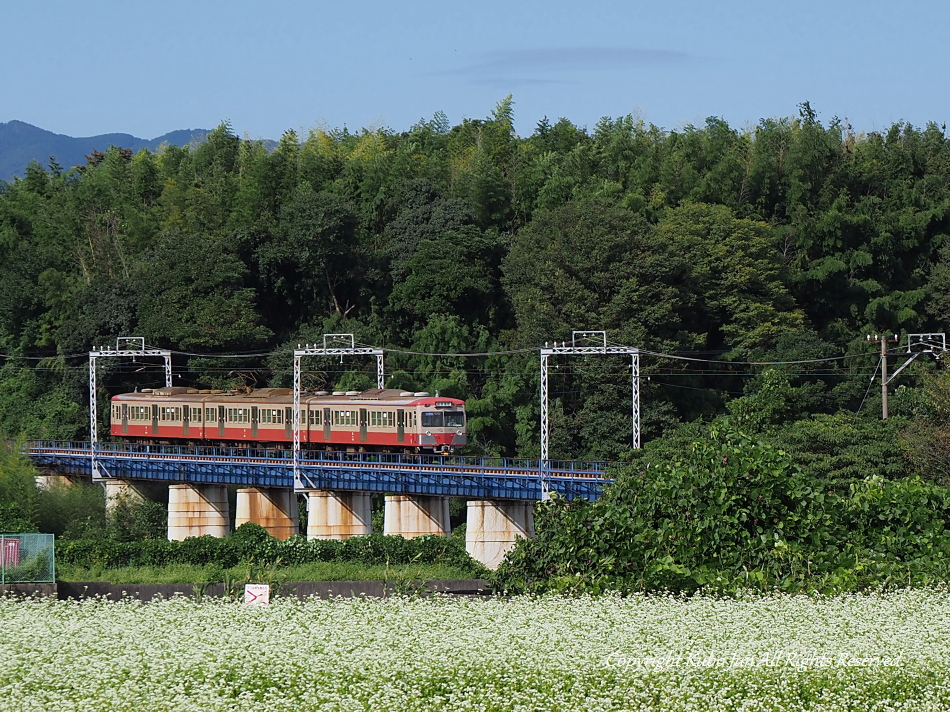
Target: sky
x=146, y=68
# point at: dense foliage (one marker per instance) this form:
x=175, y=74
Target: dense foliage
x=251, y=543
x=785, y=241
x=732, y=512
x=70, y=508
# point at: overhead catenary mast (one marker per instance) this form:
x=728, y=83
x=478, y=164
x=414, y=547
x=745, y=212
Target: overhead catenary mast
x=579, y=348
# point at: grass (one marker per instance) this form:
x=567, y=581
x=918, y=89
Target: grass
x=212, y=573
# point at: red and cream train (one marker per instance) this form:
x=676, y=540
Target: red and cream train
x=373, y=420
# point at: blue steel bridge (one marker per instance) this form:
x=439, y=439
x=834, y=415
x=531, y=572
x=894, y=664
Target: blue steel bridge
x=432, y=475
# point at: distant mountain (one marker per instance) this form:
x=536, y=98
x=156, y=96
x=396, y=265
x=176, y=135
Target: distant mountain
x=21, y=143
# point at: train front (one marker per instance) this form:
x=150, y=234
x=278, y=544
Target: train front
x=442, y=424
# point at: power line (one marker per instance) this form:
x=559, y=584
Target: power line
x=870, y=383
x=477, y=354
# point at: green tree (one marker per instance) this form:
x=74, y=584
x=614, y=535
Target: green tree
x=193, y=295
x=311, y=264
x=19, y=497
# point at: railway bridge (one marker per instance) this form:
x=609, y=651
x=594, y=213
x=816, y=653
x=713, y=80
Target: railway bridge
x=338, y=487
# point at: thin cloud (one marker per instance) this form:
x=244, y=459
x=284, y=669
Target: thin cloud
x=570, y=59
x=518, y=82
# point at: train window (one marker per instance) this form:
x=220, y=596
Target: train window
x=344, y=417
x=211, y=415
x=388, y=419
x=314, y=417
x=116, y=414
x=169, y=413
x=454, y=420
x=196, y=415
x=433, y=420
x=239, y=415
x=270, y=415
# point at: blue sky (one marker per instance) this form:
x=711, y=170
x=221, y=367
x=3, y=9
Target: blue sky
x=146, y=68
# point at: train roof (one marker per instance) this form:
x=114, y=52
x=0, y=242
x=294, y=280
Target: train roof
x=387, y=396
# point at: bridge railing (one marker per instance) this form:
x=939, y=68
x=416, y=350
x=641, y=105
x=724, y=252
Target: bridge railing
x=318, y=457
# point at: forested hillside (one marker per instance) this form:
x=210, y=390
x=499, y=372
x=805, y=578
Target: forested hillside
x=21, y=143
x=786, y=242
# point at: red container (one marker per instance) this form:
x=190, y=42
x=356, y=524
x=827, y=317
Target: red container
x=10, y=553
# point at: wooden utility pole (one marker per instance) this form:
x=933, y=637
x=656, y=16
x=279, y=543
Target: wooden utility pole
x=883, y=340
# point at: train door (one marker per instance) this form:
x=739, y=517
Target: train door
x=185, y=419
x=326, y=424
x=154, y=420
x=364, y=422
x=254, y=421
x=400, y=426
x=289, y=423
x=221, y=422
x=125, y=418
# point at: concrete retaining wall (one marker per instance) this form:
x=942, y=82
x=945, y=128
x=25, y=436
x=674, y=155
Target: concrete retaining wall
x=29, y=589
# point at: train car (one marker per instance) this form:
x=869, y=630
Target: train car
x=374, y=420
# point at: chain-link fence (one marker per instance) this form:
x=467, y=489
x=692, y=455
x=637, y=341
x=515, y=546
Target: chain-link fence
x=27, y=558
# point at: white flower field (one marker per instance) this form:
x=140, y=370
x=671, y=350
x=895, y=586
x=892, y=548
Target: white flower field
x=853, y=652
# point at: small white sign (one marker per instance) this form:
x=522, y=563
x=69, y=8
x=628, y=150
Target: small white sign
x=257, y=594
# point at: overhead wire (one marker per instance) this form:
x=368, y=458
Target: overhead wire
x=677, y=356
x=464, y=354
x=870, y=383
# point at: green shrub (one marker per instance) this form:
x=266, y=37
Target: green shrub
x=14, y=519
x=19, y=496
x=73, y=510
x=734, y=512
x=131, y=519
x=252, y=543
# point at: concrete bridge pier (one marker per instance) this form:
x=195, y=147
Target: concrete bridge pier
x=48, y=480
x=338, y=515
x=493, y=526
x=118, y=491
x=130, y=492
x=274, y=508
x=196, y=510
x=413, y=515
